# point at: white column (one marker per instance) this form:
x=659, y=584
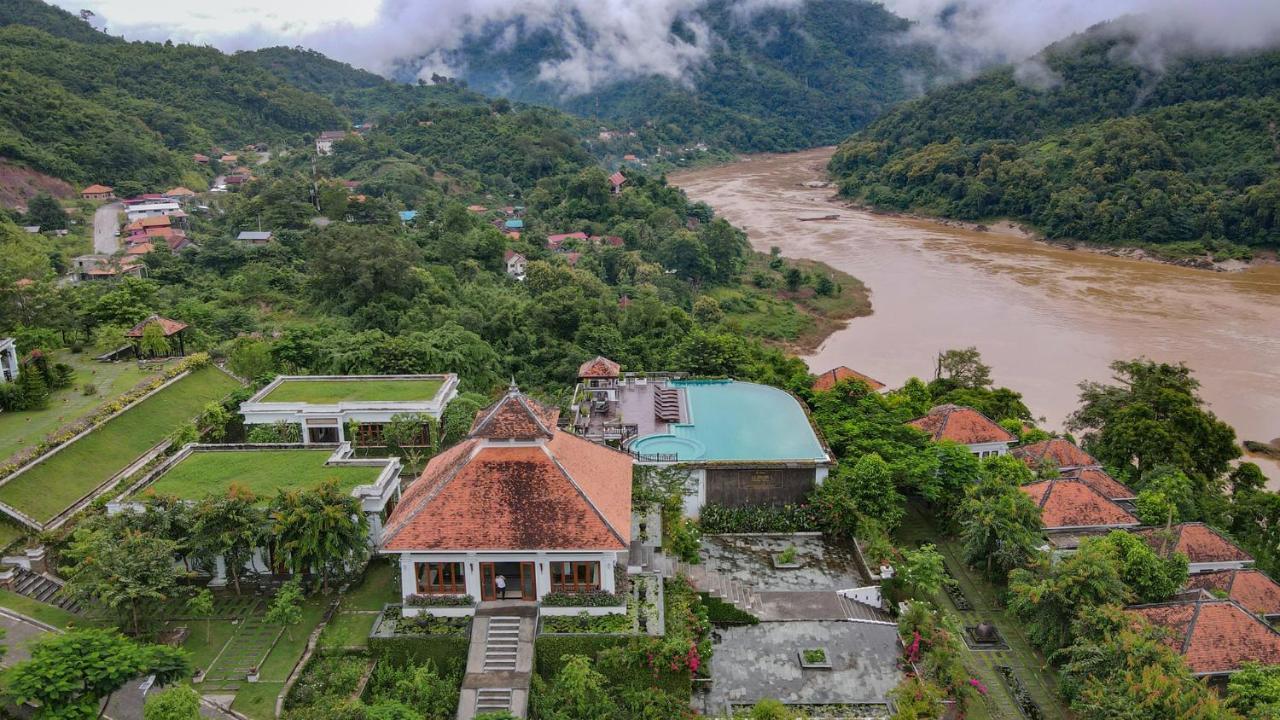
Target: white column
x=408, y=578
x=471, y=571
x=542, y=576
x=606, y=574
x=219, y=572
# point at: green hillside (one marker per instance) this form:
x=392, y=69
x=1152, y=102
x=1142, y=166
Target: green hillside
x=1186, y=159
x=779, y=79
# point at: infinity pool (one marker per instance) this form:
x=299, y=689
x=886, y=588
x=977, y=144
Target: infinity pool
x=732, y=420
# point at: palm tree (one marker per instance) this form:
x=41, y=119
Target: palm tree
x=320, y=530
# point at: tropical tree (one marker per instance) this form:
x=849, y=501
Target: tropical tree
x=70, y=673
x=1152, y=578
x=405, y=433
x=1048, y=598
x=200, y=605
x=230, y=528
x=278, y=432
x=865, y=490
x=921, y=573
x=962, y=368
x=577, y=692
x=286, y=607
x=153, y=342
x=1254, y=691
x=124, y=572
x=321, y=531
x=1000, y=527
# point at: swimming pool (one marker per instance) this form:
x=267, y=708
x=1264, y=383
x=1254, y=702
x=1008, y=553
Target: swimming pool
x=741, y=421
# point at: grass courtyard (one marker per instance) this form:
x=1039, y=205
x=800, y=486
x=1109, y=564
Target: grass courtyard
x=336, y=391
x=50, y=487
x=20, y=430
x=1030, y=665
x=263, y=472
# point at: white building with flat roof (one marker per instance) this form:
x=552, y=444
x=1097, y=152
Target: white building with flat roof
x=325, y=405
x=152, y=209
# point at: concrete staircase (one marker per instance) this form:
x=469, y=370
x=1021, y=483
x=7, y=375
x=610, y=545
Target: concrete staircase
x=499, y=661
x=718, y=586
x=43, y=588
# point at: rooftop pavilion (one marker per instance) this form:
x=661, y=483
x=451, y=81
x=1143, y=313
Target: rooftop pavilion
x=324, y=404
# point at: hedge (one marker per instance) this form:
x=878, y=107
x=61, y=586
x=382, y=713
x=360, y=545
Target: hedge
x=444, y=650
x=715, y=519
x=439, y=600
x=551, y=652
x=720, y=612
x=594, y=598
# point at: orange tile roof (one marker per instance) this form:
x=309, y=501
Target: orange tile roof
x=1098, y=479
x=169, y=326
x=1215, y=637
x=564, y=493
x=1199, y=542
x=515, y=417
x=1253, y=589
x=179, y=192
x=828, y=379
x=95, y=190
x=599, y=367
x=961, y=424
x=141, y=248
x=1066, y=503
x=1063, y=453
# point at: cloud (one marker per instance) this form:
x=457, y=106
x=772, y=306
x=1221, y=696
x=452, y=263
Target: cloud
x=972, y=34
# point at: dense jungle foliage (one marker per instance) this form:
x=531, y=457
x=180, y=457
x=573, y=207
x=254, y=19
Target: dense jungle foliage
x=1085, y=144
x=778, y=78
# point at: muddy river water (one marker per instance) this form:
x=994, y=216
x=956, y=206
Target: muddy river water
x=1044, y=317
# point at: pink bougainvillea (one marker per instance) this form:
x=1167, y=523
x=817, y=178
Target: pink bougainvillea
x=913, y=650
x=977, y=685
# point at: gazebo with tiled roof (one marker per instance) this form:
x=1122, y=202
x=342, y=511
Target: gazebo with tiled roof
x=170, y=328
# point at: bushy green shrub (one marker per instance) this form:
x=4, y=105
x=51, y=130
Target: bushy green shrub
x=715, y=519
x=595, y=598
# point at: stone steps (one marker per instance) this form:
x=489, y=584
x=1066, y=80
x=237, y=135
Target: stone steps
x=493, y=700
x=43, y=588
x=720, y=587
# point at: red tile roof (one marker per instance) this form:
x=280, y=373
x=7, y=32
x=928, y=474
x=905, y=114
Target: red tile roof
x=1098, y=479
x=1063, y=453
x=1255, y=592
x=555, y=241
x=564, y=493
x=515, y=417
x=828, y=379
x=96, y=190
x=617, y=178
x=169, y=326
x=1215, y=637
x=141, y=248
x=961, y=424
x=1066, y=503
x=1199, y=542
x=599, y=367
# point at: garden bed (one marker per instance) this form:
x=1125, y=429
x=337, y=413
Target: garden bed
x=401, y=640
x=1026, y=704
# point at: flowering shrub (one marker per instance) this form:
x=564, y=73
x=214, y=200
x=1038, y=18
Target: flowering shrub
x=595, y=598
x=439, y=600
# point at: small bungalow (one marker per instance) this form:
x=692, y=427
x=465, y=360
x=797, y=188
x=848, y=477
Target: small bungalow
x=513, y=225
x=151, y=208
x=1206, y=549
x=200, y=159
x=555, y=242
x=98, y=192
x=548, y=511
x=229, y=159
x=326, y=139
x=1252, y=589
x=830, y=378
x=255, y=237
x=617, y=180
x=1215, y=637
x=8, y=359
x=516, y=264
x=200, y=471
x=1064, y=454
x=478, y=209
x=325, y=405
x=180, y=193
x=172, y=330
x=966, y=426
x=408, y=216
x=1069, y=505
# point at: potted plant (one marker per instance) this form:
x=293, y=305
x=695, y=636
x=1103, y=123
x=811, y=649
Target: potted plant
x=787, y=559
x=815, y=658
x=253, y=674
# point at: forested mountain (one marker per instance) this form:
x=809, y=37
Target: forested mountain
x=1096, y=148
x=777, y=78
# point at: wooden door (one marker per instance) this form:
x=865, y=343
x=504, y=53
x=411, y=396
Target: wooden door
x=528, y=582
x=487, y=590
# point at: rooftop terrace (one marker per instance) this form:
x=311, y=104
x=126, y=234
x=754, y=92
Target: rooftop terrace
x=203, y=472
x=334, y=390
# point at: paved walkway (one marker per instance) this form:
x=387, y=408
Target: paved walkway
x=499, y=661
x=106, y=223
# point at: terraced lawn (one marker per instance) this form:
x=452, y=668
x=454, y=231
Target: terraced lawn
x=61, y=480
x=1029, y=664
x=19, y=430
x=325, y=392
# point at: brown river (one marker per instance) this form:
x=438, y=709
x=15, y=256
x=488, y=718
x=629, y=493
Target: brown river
x=1044, y=317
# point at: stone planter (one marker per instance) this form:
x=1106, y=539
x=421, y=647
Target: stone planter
x=252, y=676
x=778, y=564
x=814, y=663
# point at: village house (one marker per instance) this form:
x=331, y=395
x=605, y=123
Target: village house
x=830, y=378
x=199, y=471
x=326, y=407
x=8, y=359
x=98, y=192
x=516, y=264
x=172, y=330
x=151, y=208
x=556, y=242
x=966, y=426
x=255, y=237
x=1251, y=589
x=105, y=267
x=1206, y=549
x=1215, y=637
x=200, y=159
x=1072, y=510
x=326, y=139
x=229, y=159
x=548, y=511
x=181, y=194
x=743, y=444
x=617, y=180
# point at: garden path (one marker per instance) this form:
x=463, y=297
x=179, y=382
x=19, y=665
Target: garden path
x=499, y=661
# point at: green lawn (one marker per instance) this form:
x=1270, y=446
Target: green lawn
x=264, y=472
x=347, y=630
x=9, y=533
x=1030, y=665
x=379, y=587
x=49, y=488
x=50, y=614
x=258, y=700
x=289, y=648
x=335, y=391
x=19, y=430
